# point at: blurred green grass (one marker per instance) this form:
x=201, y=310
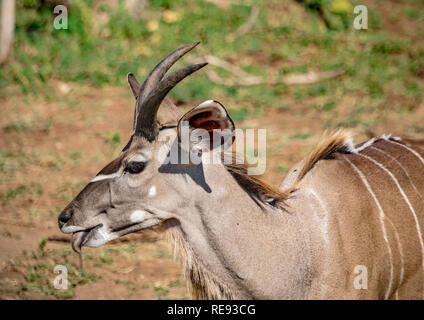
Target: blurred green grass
x=288, y=37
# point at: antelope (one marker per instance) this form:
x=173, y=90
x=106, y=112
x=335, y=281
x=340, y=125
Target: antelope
x=345, y=211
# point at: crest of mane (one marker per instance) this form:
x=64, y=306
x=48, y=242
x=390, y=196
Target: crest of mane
x=338, y=141
x=331, y=143
x=264, y=193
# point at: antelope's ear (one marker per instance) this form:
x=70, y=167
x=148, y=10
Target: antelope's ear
x=210, y=116
x=134, y=85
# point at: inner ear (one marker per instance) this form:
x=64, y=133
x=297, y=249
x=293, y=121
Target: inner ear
x=207, y=121
x=210, y=115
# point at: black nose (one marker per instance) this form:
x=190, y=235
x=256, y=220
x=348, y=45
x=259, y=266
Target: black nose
x=64, y=217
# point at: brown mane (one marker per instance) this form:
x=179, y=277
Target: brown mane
x=338, y=141
x=255, y=187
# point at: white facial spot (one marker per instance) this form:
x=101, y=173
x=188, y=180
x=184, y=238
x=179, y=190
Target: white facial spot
x=71, y=229
x=101, y=177
x=100, y=237
x=152, y=191
x=138, y=216
x=141, y=157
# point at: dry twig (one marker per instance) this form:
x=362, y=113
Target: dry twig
x=246, y=27
x=241, y=78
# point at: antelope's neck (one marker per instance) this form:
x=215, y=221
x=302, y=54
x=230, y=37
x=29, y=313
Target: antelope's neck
x=240, y=249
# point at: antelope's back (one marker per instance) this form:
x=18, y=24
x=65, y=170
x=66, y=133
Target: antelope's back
x=366, y=209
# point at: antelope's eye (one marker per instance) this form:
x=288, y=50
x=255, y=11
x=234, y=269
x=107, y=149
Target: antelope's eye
x=135, y=166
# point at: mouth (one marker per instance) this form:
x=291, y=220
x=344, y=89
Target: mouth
x=99, y=235
x=79, y=238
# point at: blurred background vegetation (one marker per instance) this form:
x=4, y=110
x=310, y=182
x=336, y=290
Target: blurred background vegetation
x=105, y=40
x=65, y=109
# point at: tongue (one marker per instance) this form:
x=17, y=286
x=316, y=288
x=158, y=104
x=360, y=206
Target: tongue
x=77, y=240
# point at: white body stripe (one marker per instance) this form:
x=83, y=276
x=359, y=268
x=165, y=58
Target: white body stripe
x=417, y=224
x=383, y=227
x=403, y=168
x=402, y=262
x=365, y=145
x=323, y=217
x=408, y=148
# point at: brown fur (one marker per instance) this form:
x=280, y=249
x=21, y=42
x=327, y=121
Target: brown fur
x=257, y=188
x=202, y=283
x=338, y=141
x=413, y=141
